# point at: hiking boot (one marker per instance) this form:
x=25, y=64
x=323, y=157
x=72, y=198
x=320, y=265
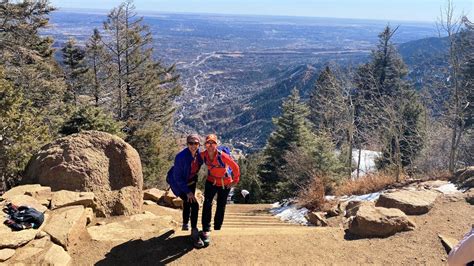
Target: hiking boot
x=206, y=238
x=185, y=227
x=198, y=243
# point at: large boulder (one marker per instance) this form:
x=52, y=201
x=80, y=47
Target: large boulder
x=90, y=161
x=411, y=202
x=371, y=221
x=464, y=177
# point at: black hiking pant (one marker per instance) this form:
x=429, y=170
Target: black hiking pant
x=209, y=192
x=190, y=209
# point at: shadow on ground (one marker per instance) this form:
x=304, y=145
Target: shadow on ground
x=349, y=236
x=154, y=251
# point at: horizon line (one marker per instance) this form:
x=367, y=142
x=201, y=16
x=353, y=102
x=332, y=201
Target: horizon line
x=148, y=13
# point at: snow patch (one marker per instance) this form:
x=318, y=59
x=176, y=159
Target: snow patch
x=367, y=161
x=289, y=213
x=449, y=188
x=366, y=197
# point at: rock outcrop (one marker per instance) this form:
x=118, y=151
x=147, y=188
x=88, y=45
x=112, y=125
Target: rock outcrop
x=410, y=202
x=91, y=161
x=68, y=222
x=464, y=178
x=66, y=225
x=370, y=221
x=127, y=229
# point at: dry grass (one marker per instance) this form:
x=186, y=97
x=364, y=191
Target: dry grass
x=366, y=184
x=313, y=196
x=439, y=175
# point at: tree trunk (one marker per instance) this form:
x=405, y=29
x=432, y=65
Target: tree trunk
x=358, y=162
x=398, y=158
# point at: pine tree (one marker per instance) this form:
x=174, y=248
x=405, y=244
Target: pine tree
x=328, y=109
x=91, y=118
x=22, y=131
x=99, y=75
x=316, y=160
x=129, y=45
x=387, y=105
x=26, y=56
x=73, y=60
x=332, y=112
x=143, y=88
x=157, y=150
x=388, y=66
x=28, y=59
x=291, y=131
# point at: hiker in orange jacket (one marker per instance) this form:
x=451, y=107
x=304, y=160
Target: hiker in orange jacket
x=219, y=181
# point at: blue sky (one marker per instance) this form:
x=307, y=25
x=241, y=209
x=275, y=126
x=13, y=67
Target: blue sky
x=413, y=10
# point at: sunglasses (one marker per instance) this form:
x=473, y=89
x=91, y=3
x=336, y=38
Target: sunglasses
x=193, y=143
x=211, y=143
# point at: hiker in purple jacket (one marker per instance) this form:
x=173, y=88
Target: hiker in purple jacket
x=183, y=180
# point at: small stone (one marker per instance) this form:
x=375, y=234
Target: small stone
x=6, y=253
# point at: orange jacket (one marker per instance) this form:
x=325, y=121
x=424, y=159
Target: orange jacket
x=218, y=174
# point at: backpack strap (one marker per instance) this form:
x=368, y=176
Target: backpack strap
x=219, y=159
x=221, y=164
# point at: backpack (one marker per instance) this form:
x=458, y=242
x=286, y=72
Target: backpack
x=23, y=217
x=220, y=150
x=169, y=175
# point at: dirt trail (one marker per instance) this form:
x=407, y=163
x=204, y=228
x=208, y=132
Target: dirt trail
x=251, y=236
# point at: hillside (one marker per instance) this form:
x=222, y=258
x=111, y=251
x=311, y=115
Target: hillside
x=235, y=70
x=247, y=121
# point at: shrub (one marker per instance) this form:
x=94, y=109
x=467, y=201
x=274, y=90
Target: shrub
x=367, y=184
x=312, y=197
x=91, y=118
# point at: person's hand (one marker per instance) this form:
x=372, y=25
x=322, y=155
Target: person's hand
x=191, y=197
